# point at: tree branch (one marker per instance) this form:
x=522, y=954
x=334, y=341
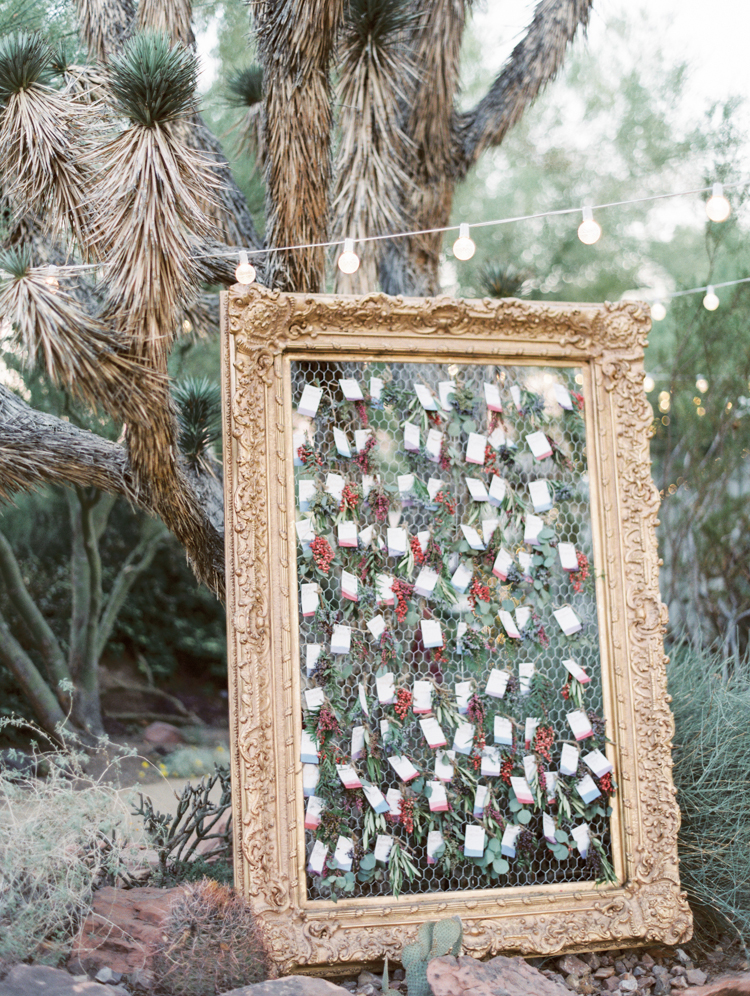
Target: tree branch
x=532, y=64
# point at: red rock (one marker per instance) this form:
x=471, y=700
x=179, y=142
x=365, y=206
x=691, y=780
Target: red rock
x=729, y=985
x=123, y=931
x=572, y=965
x=25, y=980
x=498, y=977
x=163, y=735
x=291, y=985
x=696, y=977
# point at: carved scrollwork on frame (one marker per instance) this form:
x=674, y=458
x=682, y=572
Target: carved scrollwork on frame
x=261, y=328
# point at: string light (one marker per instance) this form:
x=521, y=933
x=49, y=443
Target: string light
x=51, y=278
x=658, y=311
x=710, y=301
x=718, y=207
x=664, y=401
x=701, y=384
x=245, y=272
x=463, y=247
x=589, y=231
x=348, y=261
x=648, y=384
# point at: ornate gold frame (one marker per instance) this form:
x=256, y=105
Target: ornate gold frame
x=262, y=330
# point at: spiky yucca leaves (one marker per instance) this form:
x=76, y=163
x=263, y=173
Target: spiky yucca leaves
x=502, y=280
x=372, y=181
x=296, y=40
x=199, y=417
x=75, y=351
x=170, y=17
x=42, y=134
x=245, y=90
x=105, y=25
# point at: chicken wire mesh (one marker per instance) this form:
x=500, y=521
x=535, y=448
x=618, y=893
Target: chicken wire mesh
x=423, y=447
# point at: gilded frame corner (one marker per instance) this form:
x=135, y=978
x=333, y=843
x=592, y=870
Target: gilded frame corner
x=260, y=328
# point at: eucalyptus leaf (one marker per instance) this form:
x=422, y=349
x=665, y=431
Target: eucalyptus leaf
x=470, y=425
x=514, y=805
x=454, y=429
x=500, y=866
x=561, y=837
x=524, y=817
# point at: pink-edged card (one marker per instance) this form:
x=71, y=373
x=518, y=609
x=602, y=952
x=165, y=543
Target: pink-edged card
x=568, y=556
x=476, y=448
x=318, y=857
x=509, y=624
x=310, y=599
x=503, y=564
x=567, y=620
x=349, y=586
x=383, y=589
x=432, y=732
x=438, y=798
x=521, y=790
x=492, y=397
x=576, y=671
x=403, y=767
x=580, y=725
x=315, y=806
x=349, y=777
x=422, y=696
x=347, y=534
x=539, y=445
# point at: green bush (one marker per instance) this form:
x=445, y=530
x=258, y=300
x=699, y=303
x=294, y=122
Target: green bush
x=712, y=778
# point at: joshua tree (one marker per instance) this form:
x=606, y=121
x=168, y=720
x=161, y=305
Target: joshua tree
x=106, y=161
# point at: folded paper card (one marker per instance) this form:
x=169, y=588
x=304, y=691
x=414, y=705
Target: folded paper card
x=525, y=674
x=529, y=728
x=310, y=598
x=503, y=731
x=433, y=445
x=539, y=445
x=567, y=620
x=310, y=779
x=298, y=441
x=477, y=489
x=490, y=762
x=446, y=393
x=463, y=691
x=580, y=725
x=362, y=696
x=548, y=828
x=361, y=439
x=308, y=403
x=394, y=799
x=582, y=837
x=472, y=537
x=576, y=671
x=425, y=583
x=383, y=846
x=306, y=490
x=349, y=777
x=463, y=739
x=529, y=770
x=358, y=742
x=317, y=861
x=341, y=639
x=425, y=397
x=488, y=528
x=480, y=801
x=497, y=438
x=314, y=698
x=411, y=437
x=403, y=767
x=376, y=798
x=434, y=842
x=434, y=487
x=376, y=627
x=550, y=785
x=444, y=764
x=497, y=682
x=349, y=586
x=509, y=624
x=432, y=633
x=312, y=653
x=462, y=578
x=376, y=389
x=492, y=397
x=334, y=486
x=587, y=789
x=568, y=557
x=305, y=532
x=532, y=527
x=563, y=398
x=438, y=798
x=396, y=539
x=405, y=485
x=474, y=840
x=308, y=751
x=384, y=590
x=385, y=684
x=351, y=389
x=341, y=442
x=344, y=854
x=569, y=759
x=598, y=763
x=515, y=393
x=508, y=842
x=523, y=615
x=521, y=790
x=422, y=696
x=476, y=448
x=498, y=490
x=503, y=564
x=315, y=806
x=540, y=495
x=432, y=732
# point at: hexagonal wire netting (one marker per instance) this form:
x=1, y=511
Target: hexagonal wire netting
x=474, y=638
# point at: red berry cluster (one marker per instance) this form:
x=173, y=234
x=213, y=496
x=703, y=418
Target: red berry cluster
x=307, y=455
x=606, y=785
x=490, y=460
x=403, y=592
x=480, y=742
x=363, y=457
x=445, y=460
x=387, y=650
x=434, y=418
x=438, y=655
x=349, y=497
x=541, y=635
x=362, y=412
x=475, y=710
x=403, y=702
x=578, y=399
x=543, y=740
x=363, y=570
x=406, y=814
x=416, y=549
x=380, y=503
x=565, y=690
x=506, y=770
x=579, y=576
x=327, y=722
x=446, y=501
x=478, y=591
x=322, y=553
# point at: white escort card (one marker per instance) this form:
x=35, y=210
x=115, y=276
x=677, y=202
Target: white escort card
x=474, y=841
x=308, y=403
x=432, y=633
x=434, y=487
x=529, y=770
x=310, y=598
x=308, y=749
x=341, y=441
x=569, y=760
x=522, y=614
x=580, y=725
x=422, y=696
x=541, y=498
x=521, y=790
x=496, y=683
x=525, y=674
x=477, y=490
x=509, y=624
x=438, y=797
x=385, y=729
x=312, y=653
x=492, y=397
x=383, y=845
x=425, y=398
x=423, y=537
x=385, y=684
x=587, y=789
x=550, y=784
x=411, y=437
x=368, y=482
x=343, y=856
x=405, y=485
x=298, y=440
x=463, y=739
x=433, y=445
x=314, y=698
x=548, y=828
x=384, y=591
x=396, y=539
x=463, y=691
x=376, y=389
x=472, y=537
x=490, y=762
x=432, y=732
x=462, y=578
x=525, y=560
x=488, y=528
x=532, y=527
x=351, y=389
x=317, y=858
x=476, y=447
x=434, y=842
x=334, y=486
x=358, y=742
x=568, y=557
x=349, y=777
x=444, y=764
x=529, y=729
x=315, y=806
x=376, y=627
x=503, y=731
x=515, y=393
x=480, y=801
x=361, y=439
x=426, y=581
x=341, y=639
x=403, y=767
x=598, y=763
x=394, y=798
x=582, y=837
x=310, y=779
x=446, y=389
x=362, y=696
x=510, y=836
x=349, y=586
x=567, y=620
x=539, y=445
x=497, y=438
x=498, y=490
x=563, y=398
x=305, y=532
x=576, y=671
x=502, y=565
x=306, y=490
x=376, y=798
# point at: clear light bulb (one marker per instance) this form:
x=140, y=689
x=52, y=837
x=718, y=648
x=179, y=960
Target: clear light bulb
x=245, y=272
x=710, y=301
x=718, y=207
x=51, y=279
x=348, y=261
x=701, y=384
x=589, y=231
x=658, y=311
x=648, y=384
x=463, y=247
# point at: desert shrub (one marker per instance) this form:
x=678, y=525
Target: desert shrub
x=60, y=838
x=210, y=944
x=712, y=778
